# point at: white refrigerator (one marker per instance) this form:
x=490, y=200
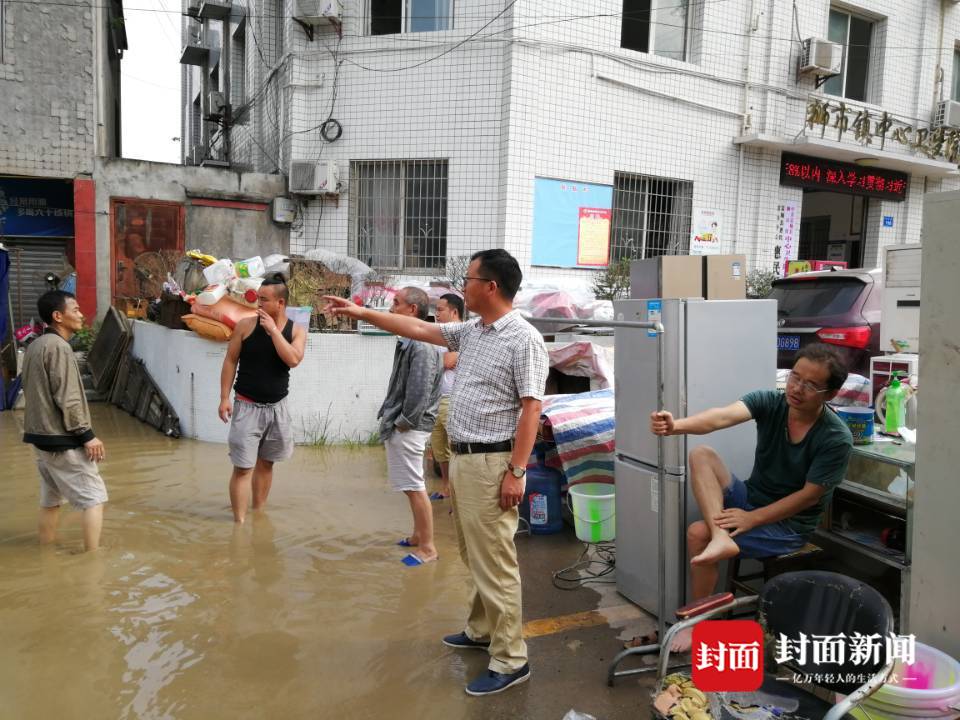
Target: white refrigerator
x=715, y=351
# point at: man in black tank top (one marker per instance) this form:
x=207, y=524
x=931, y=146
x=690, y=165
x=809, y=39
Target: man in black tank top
x=265, y=347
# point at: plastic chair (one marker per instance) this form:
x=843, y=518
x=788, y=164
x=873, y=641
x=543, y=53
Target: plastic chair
x=813, y=603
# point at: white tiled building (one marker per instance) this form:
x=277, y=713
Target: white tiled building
x=466, y=124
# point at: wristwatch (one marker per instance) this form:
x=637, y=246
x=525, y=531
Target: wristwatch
x=518, y=472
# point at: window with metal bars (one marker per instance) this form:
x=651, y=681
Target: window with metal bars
x=238, y=65
x=651, y=216
x=399, y=213
x=278, y=18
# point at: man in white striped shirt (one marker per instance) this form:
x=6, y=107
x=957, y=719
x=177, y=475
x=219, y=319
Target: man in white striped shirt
x=494, y=412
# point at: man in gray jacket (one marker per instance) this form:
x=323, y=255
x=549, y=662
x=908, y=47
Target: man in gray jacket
x=57, y=422
x=406, y=420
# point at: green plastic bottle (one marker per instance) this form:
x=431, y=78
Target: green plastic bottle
x=896, y=398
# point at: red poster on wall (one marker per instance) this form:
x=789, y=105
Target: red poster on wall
x=593, y=238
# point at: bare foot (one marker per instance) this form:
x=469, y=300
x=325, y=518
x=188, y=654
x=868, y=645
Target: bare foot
x=641, y=640
x=682, y=641
x=719, y=548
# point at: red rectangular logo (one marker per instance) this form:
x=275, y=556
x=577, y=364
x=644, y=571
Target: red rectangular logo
x=727, y=655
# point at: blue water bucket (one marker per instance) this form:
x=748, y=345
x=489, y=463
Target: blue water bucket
x=860, y=422
x=541, y=505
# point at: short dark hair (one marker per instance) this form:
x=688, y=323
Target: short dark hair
x=823, y=354
x=279, y=285
x=502, y=267
x=416, y=296
x=53, y=301
x=454, y=301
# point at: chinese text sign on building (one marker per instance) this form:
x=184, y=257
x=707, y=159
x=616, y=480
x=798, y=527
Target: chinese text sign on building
x=834, y=176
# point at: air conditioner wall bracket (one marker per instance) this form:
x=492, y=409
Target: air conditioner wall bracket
x=307, y=28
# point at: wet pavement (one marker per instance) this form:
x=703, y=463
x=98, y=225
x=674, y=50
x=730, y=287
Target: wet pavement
x=305, y=612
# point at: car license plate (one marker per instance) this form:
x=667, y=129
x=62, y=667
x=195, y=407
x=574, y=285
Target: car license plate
x=788, y=342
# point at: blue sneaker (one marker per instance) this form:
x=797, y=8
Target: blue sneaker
x=462, y=640
x=494, y=682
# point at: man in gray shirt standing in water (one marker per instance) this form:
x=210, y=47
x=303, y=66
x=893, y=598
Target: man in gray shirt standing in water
x=494, y=413
x=265, y=347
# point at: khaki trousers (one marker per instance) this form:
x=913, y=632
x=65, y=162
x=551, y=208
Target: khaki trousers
x=485, y=538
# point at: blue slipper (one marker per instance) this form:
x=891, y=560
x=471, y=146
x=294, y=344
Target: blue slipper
x=411, y=560
x=405, y=542
x=438, y=496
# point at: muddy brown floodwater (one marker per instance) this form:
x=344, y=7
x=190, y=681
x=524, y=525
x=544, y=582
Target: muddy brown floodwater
x=305, y=612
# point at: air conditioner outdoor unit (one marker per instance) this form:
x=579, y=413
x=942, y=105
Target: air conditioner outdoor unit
x=214, y=9
x=312, y=178
x=216, y=104
x=317, y=12
x=947, y=115
x=821, y=57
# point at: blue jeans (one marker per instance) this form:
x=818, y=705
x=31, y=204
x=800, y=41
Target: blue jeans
x=766, y=540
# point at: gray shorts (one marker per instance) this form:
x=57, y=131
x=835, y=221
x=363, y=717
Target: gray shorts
x=69, y=474
x=259, y=430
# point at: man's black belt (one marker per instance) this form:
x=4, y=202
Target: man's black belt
x=471, y=448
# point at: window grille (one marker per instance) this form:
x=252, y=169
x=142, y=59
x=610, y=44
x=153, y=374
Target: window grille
x=278, y=23
x=238, y=67
x=399, y=213
x=651, y=216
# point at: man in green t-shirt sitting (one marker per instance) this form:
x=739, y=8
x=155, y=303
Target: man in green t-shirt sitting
x=802, y=453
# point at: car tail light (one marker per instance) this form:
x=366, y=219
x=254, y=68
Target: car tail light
x=855, y=337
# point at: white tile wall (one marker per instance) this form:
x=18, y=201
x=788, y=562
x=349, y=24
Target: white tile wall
x=336, y=391
x=47, y=99
x=546, y=90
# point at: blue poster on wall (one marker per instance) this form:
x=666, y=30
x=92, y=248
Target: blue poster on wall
x=571, y=223
x=36, y=208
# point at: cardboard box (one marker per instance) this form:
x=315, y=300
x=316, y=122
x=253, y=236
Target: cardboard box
x=725, y=277
x=667, y=276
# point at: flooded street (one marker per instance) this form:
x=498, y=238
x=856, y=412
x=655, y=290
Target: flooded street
x=306, y=611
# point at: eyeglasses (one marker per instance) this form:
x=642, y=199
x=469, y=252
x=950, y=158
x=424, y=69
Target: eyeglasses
x=468, y=277
x=794, y=379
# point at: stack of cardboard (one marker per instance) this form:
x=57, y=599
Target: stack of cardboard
x=713, y=277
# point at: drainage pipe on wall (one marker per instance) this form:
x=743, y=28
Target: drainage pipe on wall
x=745, y=124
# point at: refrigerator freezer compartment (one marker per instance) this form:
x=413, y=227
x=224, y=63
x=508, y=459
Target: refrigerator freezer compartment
x=638, y=538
